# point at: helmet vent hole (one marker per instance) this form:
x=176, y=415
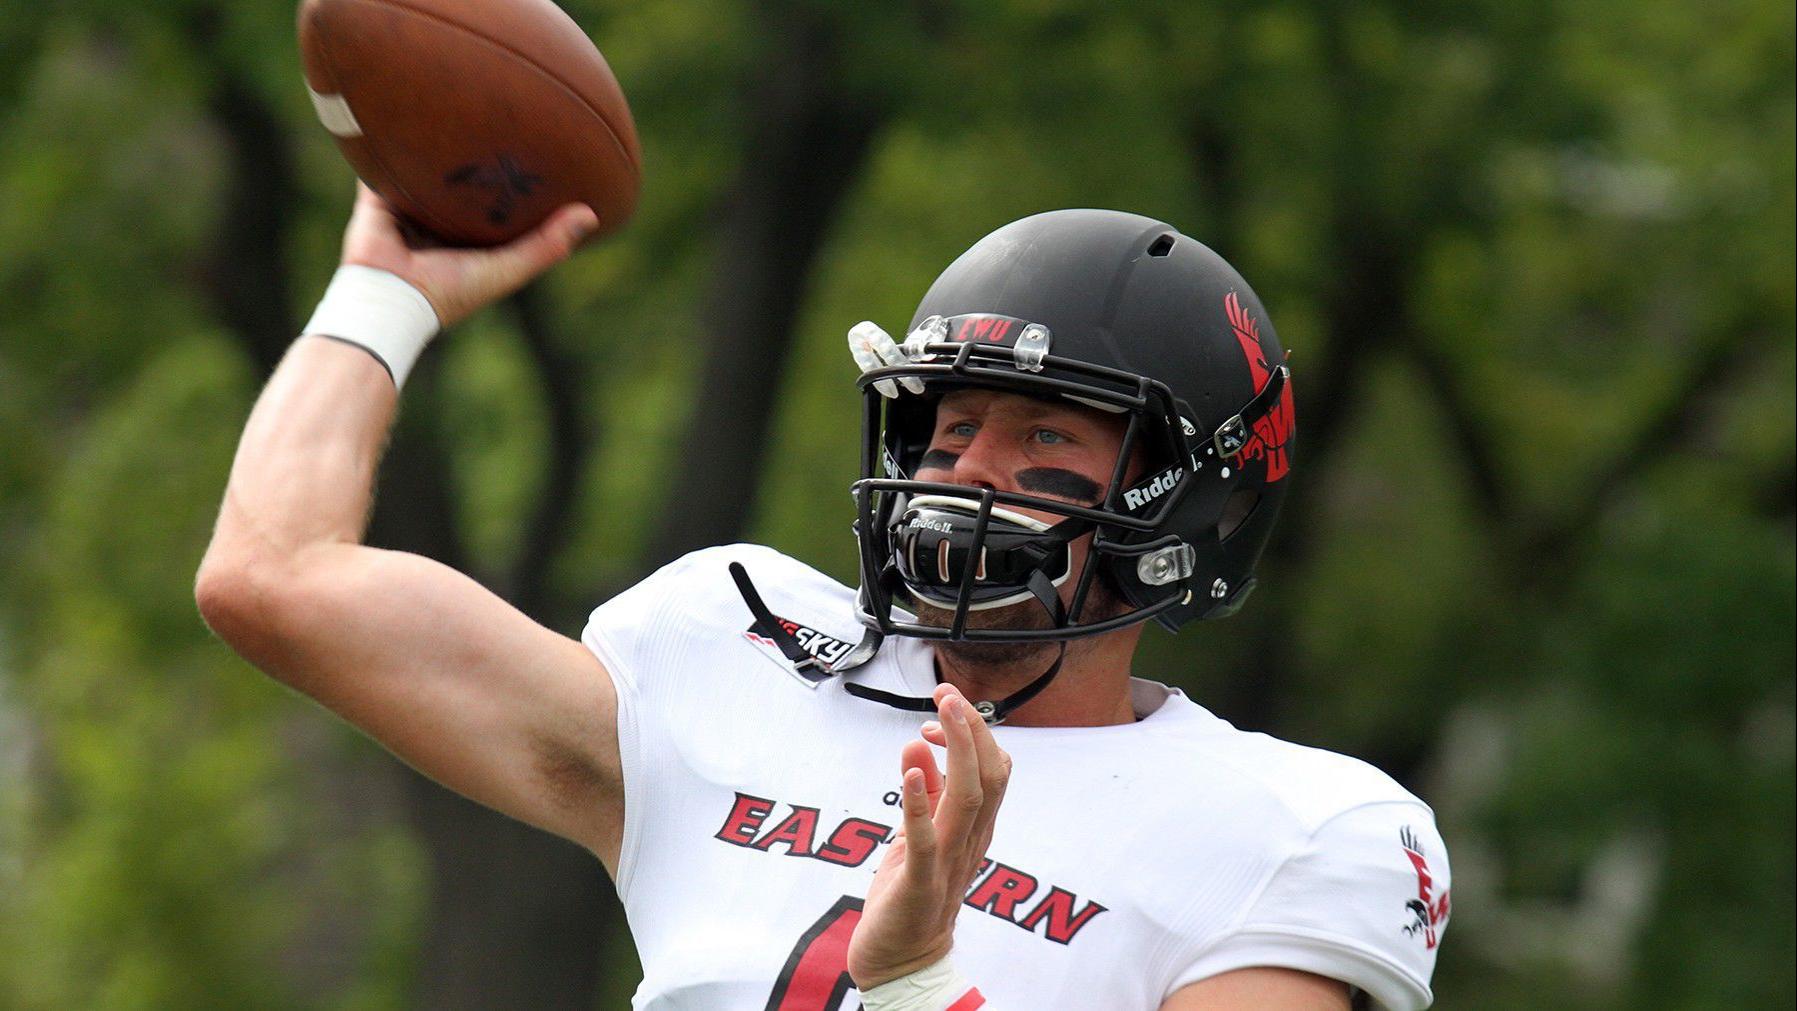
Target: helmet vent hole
x=1236, y=511
x=1161, y=246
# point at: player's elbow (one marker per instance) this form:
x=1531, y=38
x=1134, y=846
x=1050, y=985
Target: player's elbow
x=243, y=600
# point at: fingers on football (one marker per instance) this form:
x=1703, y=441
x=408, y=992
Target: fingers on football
x=370, y=219
x=368, y=202
x=545, y=245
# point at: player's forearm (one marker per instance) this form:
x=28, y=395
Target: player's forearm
x=304, y=471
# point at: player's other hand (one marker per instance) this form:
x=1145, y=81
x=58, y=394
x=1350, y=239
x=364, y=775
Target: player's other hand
x=459, y=282
x=908, y=921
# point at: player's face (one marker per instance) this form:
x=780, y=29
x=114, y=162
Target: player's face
x=1046, y=448
x=1009, y=442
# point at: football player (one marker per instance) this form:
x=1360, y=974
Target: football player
x=796, y=785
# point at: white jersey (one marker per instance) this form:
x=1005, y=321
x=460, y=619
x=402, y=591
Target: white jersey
x=1127, y=862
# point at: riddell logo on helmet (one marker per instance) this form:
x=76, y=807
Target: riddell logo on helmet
x=1162, y=483
x=1274, y=430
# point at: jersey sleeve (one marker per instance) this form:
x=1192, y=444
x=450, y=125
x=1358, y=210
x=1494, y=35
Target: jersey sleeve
x=653, y=639
x=676, y=646
x=1364, y=901
x=632, y=632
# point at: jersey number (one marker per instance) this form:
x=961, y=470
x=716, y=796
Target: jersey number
x=816, y=976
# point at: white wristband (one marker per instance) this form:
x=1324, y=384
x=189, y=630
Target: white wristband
x=934, y=988
x=378, y=311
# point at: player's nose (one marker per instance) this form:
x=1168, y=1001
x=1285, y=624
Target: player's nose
x=985, y=463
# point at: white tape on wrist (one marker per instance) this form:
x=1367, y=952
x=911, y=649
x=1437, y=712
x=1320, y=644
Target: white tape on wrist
x=378, y=311
x=935, y=988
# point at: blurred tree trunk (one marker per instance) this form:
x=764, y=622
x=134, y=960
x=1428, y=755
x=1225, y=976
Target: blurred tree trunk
x=516, y=916
x=246, y=274
x=807, y=140
x=570, y=437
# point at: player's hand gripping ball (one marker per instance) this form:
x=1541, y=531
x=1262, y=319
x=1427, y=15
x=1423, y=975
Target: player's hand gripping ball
x=474, y=119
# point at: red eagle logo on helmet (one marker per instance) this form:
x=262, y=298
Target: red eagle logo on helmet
x=1274, y=430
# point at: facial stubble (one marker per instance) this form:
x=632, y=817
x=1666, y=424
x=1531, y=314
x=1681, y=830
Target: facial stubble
x=1009, y=661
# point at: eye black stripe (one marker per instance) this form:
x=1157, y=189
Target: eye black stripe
x=939, y=458
x=1041, y=480
x=1061, y=484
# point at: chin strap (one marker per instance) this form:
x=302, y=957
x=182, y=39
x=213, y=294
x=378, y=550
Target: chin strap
x=994, y=713
x=802, y=660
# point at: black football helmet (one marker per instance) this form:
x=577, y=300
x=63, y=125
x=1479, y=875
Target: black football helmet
x=1113, y=311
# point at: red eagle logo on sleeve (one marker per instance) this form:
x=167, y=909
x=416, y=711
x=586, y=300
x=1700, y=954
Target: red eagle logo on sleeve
x=1428, y=911
x=1271, y=432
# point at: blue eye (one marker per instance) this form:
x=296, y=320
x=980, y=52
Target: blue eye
x=1049, y=437
x=964, y=429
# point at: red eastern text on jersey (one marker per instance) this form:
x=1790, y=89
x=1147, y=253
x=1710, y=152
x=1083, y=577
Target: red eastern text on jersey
x=998, y=889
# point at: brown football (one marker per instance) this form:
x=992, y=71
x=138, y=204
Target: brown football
x=475, y=119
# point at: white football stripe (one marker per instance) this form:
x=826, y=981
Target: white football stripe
x=334, y=113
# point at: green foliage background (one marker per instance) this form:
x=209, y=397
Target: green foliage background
x=1546, y=565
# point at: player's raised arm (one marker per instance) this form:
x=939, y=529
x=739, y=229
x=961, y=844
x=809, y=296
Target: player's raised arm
x=445, y=674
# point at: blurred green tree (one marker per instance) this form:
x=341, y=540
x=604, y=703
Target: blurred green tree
x=1535, y=261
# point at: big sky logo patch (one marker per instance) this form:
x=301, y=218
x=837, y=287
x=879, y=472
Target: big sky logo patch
x=826, y=648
